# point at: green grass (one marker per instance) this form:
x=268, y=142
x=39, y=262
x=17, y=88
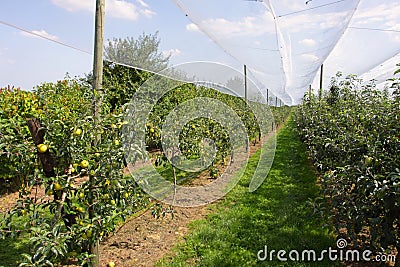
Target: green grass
x=278, y=215
x=12, y=248
x=181, y=176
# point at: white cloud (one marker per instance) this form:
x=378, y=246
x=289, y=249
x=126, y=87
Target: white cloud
x=247, y=26
x=308, y=42
x=192, y=27
x=314, y=22
x=75, y=5
x=37, y=34
x=289, y=5
x=172, y=52
x=253, y=26
x=121, y=9
x=309, y=57
x=114, y=8
x=382, y=12
x=383, y=16
x=143, y=3
x=148, y=13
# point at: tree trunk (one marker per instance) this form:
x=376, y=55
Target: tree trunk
x=38, y=132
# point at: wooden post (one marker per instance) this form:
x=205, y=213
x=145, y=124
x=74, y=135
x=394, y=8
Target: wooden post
x=96, y=102
x=98, y=58
x=267, y=98
x=245, y=83
x=276, y=101
x=38, y=132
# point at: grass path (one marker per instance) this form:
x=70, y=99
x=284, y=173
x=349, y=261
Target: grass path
x=278, y=215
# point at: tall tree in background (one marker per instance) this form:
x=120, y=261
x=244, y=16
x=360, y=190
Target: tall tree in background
x=141, y=53
x=137, y=56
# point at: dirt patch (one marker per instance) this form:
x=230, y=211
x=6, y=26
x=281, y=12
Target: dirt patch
x=37, y=193
x=145, y=240
x=7, y=202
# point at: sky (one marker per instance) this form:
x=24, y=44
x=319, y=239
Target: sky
x=283, y=43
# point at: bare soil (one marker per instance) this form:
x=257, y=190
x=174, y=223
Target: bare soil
x=8, y=201
x=145, y=240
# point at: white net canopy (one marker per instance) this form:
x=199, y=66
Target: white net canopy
x=282, y=43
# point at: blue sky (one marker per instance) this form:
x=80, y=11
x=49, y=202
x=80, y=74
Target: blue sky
x=284, y=57
x=28, y=60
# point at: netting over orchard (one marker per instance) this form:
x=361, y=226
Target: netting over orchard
x=283, y=43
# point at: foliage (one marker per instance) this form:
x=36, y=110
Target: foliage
x=16, y=151
x=195, y=131
x=11, y=250
x=88, y=195
x=120, y=83
x=353, y=139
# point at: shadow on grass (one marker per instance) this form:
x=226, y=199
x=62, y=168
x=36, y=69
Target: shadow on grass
x=11, y=250
x=276, y=215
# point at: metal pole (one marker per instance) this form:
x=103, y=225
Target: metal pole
x=267, y=98
x=320, y=81
x=245, y=83
x=245, y=97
